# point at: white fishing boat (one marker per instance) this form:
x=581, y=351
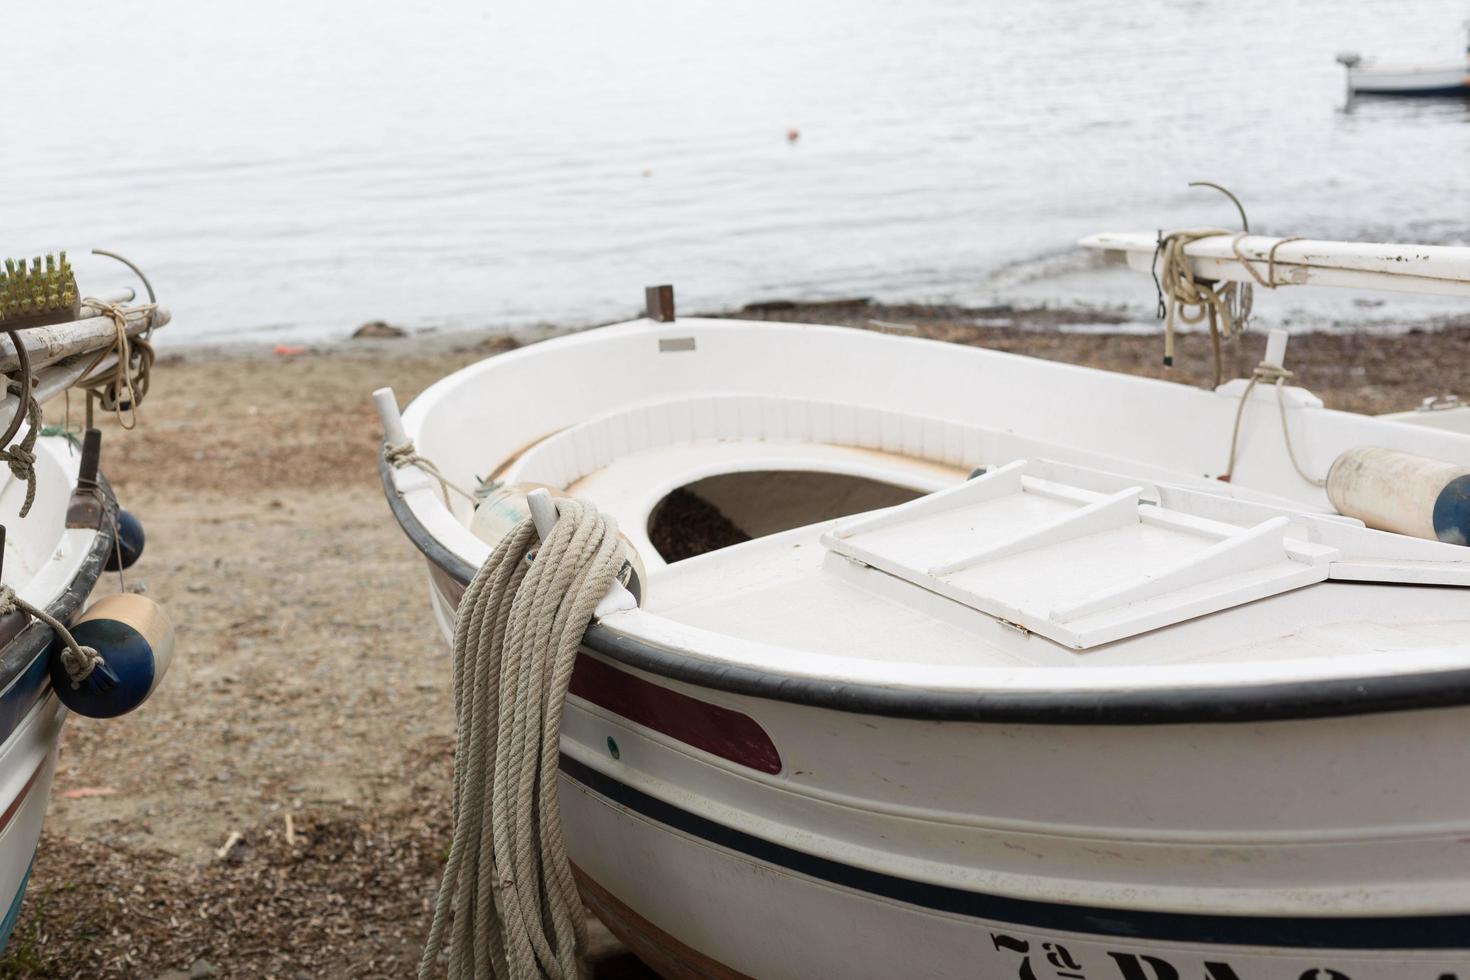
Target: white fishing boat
x=1371, y=78
x=1002, y=678
x=61, y=530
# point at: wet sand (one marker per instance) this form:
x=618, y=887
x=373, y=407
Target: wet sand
x=311, y=682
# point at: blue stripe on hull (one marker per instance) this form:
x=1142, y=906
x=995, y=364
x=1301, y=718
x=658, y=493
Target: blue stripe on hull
x=1420, y=932
x=7, y=925
x=17, y=700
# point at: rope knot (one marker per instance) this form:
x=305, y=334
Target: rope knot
x=405, y=454
x=79, y=662
x=21, y=456
x=400, y=455
x=21, y=460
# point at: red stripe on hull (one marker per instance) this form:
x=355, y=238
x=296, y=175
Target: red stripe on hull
x=20, y=797
x=718, y=731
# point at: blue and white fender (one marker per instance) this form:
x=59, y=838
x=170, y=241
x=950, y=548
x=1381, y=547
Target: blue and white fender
x=136, y=641
x=130, y=541
x=1391, y=490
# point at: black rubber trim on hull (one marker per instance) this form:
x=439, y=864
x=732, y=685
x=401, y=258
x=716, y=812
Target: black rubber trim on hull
x=1419, y=932
x=1332, y=698
x=17, y=655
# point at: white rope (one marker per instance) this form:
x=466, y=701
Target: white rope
x=1186, y=297
x=79, y=661
x=1268, y=373
x=508, y=907
x=404, y=454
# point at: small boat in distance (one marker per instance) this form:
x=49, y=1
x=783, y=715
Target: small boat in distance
x=1370, y=78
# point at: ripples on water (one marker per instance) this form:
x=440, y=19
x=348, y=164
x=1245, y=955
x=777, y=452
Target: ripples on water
x=299, y=167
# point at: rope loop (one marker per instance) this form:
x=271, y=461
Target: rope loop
x=1269, y=282
x=404, y=454
x=80, y=662
x=1271, y=374
x=122, y=389
x=21, y=456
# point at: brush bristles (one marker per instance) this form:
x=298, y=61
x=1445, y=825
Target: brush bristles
x=46, y=286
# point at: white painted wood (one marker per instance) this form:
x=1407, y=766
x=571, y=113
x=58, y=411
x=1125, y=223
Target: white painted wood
x=1100, y=515
x=49, y=344
x=1001, y=481
x=1085, y=569
x=1431, y=269
x=388, y=414
x=1257, y=548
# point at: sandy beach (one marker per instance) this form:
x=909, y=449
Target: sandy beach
x=307, y=720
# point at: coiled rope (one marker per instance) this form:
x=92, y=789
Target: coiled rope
x=81, y=662
x=122, y=389
x=508, y=907
x=1227, y=305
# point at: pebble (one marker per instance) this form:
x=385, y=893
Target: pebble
x=202, y=970
x=377, y=328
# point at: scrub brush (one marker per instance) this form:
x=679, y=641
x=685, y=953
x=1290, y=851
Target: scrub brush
x=41, y=293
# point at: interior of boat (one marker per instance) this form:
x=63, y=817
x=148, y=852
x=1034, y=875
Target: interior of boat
x=797, y=501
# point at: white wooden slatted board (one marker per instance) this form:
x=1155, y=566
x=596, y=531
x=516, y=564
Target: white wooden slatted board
x=1078, y=565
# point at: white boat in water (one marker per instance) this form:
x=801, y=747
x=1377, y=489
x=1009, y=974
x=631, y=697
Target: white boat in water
x=1001, y=678
x=1371, y=78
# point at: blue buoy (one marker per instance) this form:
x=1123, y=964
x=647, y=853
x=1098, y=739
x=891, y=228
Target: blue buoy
x=129, y=542
x=135, y=639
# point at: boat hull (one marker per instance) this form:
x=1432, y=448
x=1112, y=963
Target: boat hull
x=692, y=908
x=1410, y=82
x=31, y=715
x=725, y=835
x=27, y=764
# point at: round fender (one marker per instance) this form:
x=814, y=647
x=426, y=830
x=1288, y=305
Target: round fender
x=136, y=641
x=130, y=541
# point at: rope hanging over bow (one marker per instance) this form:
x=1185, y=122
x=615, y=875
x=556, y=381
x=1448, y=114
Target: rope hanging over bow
x=508, y=906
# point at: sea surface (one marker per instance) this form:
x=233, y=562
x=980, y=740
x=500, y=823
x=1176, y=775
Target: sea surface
x=288, y=170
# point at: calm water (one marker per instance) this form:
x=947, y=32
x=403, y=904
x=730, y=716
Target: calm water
x=292, y=169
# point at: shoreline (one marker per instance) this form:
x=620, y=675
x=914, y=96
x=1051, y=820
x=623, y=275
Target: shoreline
x=303, y=638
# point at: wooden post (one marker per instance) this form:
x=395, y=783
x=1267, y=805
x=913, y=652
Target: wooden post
x=660, y=303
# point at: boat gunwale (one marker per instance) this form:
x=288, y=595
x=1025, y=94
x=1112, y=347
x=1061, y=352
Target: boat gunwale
x=18, y=656
x=1220, y=704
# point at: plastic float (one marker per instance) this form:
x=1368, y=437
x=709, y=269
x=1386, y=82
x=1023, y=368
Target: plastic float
x=61, y=528
x=984, y=670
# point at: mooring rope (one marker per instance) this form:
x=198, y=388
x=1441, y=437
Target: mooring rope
x=1269, y=281
x=21, y=456
x=1189, y=299
x=127, y=383
x=1278, y=375
x=508, y=906
x=80, y=661
x=404, y=454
